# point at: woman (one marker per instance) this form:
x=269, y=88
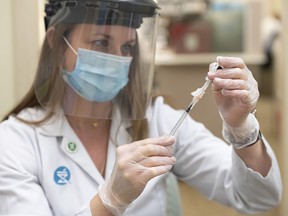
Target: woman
x=77, y=143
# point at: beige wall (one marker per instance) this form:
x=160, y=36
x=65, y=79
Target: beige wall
x=7, y=95
x=22, y=30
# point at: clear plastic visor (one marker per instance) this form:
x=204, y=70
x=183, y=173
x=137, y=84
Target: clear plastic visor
x=94, y=69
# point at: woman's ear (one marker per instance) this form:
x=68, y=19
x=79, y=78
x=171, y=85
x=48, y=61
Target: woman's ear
x=50, y=36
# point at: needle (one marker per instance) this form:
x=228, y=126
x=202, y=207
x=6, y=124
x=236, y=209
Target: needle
x=197, y=95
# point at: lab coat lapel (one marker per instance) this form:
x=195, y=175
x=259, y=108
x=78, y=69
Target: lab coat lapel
x=71, y=146
x=81, y=157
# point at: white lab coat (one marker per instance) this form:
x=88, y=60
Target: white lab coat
x=40, y=175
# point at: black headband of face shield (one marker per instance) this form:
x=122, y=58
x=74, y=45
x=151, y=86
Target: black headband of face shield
x=117, y=12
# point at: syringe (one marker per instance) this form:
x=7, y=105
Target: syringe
x=197, y=95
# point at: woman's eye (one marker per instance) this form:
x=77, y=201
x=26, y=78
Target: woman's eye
x=100, y=43
x=128, y=49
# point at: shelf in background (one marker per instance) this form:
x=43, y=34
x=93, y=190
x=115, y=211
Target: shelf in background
x=169, y=58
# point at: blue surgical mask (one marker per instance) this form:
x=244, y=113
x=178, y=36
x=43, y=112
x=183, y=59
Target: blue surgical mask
x=98, y=76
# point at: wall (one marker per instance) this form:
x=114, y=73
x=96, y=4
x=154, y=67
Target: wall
x=21, y=34
x=7, y=95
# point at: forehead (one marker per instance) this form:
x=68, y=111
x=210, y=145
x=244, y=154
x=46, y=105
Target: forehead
x=88, y=30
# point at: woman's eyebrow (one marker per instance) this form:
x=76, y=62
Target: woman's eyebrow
x=107, y=36
x=131, y=41
x=102, y=34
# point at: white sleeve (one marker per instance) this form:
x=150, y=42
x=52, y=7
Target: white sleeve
x=20, y=191
x=259, y=193
x=211, y=166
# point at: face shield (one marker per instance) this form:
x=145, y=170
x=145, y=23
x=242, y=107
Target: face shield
x=99, y=58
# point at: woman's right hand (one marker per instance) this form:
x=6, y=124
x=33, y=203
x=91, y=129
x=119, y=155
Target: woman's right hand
x=136, y=164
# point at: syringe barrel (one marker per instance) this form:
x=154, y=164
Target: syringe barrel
x=179, y=122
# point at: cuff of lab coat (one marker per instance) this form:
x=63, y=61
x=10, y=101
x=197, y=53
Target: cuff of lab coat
x=260, y=193
x=244, y=171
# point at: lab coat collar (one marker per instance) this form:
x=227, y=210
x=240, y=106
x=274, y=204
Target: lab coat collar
x=57, y=126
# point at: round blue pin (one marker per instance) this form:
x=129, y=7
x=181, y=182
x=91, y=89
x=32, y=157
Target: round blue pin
x=62, y=175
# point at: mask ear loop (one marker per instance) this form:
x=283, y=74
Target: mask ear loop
x=67, y=42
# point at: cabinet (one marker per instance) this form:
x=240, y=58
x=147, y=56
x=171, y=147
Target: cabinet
x=235, y=30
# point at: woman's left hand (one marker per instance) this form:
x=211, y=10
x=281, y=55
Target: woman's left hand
x=235, y=90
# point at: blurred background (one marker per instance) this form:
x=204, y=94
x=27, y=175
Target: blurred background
x=192, y=33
